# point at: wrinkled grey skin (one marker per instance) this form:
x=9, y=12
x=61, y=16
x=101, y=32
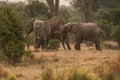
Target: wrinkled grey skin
x=40, y=34
x=84, y=31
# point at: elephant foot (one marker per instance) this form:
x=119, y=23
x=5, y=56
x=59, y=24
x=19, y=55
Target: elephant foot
x=77, y=47
x=69, y=48
x=99, y=49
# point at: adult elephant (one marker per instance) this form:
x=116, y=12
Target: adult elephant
x=56, y=25
x=51, y=28
x=40, y=33
x=84, y=31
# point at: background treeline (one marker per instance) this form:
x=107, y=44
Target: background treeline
x=14, y=18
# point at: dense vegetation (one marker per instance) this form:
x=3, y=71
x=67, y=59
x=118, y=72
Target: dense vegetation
x=13, y=24
x=11, y=35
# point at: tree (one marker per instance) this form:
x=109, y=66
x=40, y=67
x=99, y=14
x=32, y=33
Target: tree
x=37, y=9
x=11, y=35
x=85, y=7
x=64, y=13
x=53, y=6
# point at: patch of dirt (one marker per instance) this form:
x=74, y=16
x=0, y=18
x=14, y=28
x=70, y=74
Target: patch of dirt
x=62, y=61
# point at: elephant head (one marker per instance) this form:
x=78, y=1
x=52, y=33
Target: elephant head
x=40, y=38
x=69, y=27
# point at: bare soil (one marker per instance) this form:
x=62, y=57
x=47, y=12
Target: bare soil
x=62, y=61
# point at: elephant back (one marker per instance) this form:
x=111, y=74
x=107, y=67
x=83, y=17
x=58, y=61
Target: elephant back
x=55, y=23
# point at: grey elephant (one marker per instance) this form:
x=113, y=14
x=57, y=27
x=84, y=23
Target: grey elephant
x=51, y=27
x=84, y=31
x=40, y=33
x=56, y=25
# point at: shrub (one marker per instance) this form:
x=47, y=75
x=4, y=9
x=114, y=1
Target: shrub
x=28, y=55
x=76, y=75
x=3, y=58
x=11, y=35
x=116, y=34
x=11, y=77
x=53, y=44
x=37, y=9
x=106, y=27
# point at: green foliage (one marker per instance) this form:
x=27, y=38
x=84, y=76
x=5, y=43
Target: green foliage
x=116, y=33
x=28, y=55
x=11, y=35
x=3, y=58
x=53, y=44
x=109, y=4
x=106, y=27
x=37, y=9
x=113, y=16
x=64, y=14
x=76, y=75
x=68, y=14
x=11, y=77
x=110, y=23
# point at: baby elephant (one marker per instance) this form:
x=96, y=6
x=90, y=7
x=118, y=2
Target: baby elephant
x=84, y=31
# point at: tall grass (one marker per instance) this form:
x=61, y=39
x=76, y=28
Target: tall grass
x=111, y=70
x=74, y=74
x=78, y=75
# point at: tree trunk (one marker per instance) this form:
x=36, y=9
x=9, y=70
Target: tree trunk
x=87, y=10
x=53, y=6
x=56, y=7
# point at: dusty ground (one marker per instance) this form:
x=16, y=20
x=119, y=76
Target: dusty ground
x=62, y=61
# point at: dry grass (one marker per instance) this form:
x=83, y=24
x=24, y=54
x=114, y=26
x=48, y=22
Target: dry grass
x=62, y=61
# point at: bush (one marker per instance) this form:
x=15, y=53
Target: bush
x=106, y=27
x=76, y=75
x=53, y=44
x=116, y=34
x=37, y=9
x=28, y=55
x=3, y=58
x=110, y=23
x=11, y=77
x=11, y=35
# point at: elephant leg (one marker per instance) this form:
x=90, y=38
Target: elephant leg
x=63, y=45
x=64, y=38
x=77, y=46
x=37, y=43
x=78, y=42
x=62, y=41
x=97, y=44
x=67, y=44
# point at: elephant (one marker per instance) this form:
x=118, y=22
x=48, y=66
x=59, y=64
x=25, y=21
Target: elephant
x=40, y=34
x=51, y=27
x=56, y=25
x=84, y=31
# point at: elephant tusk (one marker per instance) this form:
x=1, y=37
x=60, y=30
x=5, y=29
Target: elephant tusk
x=38, y=37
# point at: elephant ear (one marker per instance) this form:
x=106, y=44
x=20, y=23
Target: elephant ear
x=73, y=27
x=67, y=27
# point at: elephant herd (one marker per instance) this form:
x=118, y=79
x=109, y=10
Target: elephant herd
x=55, y=28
